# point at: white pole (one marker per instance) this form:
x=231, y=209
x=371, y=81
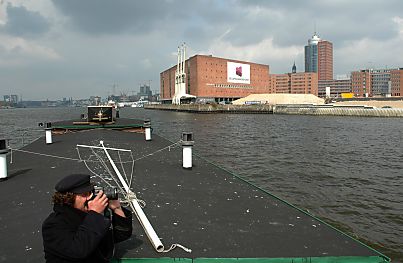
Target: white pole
x=177, y=78
x=177, y=66
x=152, y=236
x=3, y=159
x=96, y=147
x=184, y=58
x=180, y=59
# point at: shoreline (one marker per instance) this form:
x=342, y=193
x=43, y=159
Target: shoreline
x=337, y=109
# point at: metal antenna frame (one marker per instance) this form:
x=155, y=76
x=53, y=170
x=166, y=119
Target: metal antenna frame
x=145, y=223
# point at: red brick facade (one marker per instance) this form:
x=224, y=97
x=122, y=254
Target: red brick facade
x=396, y=78
x=361, y=83
x=206, y=77
x=295, y=83
x=325, y=60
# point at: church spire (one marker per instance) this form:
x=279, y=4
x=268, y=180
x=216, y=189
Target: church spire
x=294, y=68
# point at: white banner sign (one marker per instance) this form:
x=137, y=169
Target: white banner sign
x=238, y=73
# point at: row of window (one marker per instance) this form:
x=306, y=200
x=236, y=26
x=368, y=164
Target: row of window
x=232, y=86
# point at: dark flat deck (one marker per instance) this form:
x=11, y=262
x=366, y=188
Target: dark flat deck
x=117, y=124
x=207, y=209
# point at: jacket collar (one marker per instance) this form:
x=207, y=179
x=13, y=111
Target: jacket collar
x=69, y=212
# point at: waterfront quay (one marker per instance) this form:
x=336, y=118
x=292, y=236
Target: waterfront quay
x=292, y=109
x=213, y=108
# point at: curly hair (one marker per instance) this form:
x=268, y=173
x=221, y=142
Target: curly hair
x=64, y=198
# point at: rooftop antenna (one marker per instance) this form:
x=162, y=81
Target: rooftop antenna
x=314, y=27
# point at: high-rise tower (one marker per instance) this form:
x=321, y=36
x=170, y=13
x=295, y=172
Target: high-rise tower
x=319, y=57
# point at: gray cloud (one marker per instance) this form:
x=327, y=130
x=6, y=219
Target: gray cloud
x=336, y=21
x=22, y=22
x=109, y=17
x=125, y=16
x=95, y=43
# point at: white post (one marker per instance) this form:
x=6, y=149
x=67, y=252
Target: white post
x=177, y=66
x=187, y=157
x=181, y=62
x=48, y=133
x=3, y=160
x=184, y=58
x=147, y=127
x=187, y=144
x=183, y=76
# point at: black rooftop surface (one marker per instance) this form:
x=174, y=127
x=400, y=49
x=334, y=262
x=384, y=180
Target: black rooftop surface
x=81, y=124
x=207, y=209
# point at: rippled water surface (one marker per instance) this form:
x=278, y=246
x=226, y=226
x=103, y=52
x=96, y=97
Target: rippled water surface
x=347, y=170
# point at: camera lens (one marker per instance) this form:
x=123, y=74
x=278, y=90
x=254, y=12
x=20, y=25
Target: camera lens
x=111, y=193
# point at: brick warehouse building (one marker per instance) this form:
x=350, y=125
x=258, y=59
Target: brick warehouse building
x=396, y=77
x=207, y=78
x=217, y=79
x=295, y=83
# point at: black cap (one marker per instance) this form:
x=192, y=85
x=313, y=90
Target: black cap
x=75, y=183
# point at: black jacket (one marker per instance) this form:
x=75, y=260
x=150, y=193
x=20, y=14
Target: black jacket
x=71, y=235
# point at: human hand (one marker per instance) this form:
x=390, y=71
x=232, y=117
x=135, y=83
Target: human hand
x=115, y=206
x=99, y=203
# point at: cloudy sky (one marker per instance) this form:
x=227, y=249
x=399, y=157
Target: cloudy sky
x=50, y=49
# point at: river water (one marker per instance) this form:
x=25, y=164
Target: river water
x=345, y=170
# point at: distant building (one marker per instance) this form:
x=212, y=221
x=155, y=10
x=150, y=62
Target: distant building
x=11, y=98
x=396, y=79
x=145, y=92
x=311, y=54
x=361, y=83
x=217, y=79
x=95, y=100
x=295, y=83
x=377, y=82
x=380, y=82
x=337, y=86
x=319, y=58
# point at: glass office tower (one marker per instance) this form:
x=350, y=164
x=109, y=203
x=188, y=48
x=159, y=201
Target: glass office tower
x=319, y=58
x=311, y=54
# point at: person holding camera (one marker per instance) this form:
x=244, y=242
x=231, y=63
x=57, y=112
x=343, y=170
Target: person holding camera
x=78, y=229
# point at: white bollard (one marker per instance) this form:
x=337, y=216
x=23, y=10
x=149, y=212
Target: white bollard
x=147, y=127
x=187, y=144
x=148, y=134
x=3, y=160
x=48, y=132
x=187, y=157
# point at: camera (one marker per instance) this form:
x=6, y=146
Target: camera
x=110, y=192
